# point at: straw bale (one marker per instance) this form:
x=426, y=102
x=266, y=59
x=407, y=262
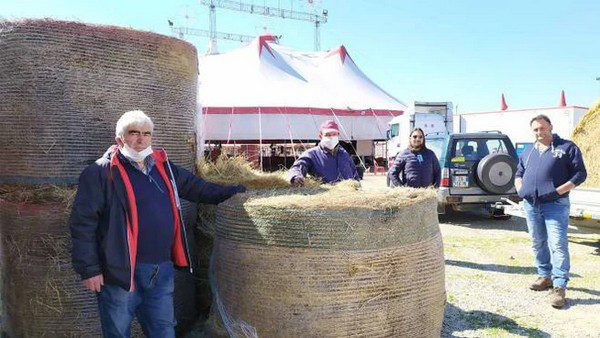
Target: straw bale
x=586, y=136
x=237, y=170
x=330, y=261
x=62, y=194
x=43, y=295
x=65, y=84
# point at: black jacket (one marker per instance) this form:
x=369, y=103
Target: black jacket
x=101, y=215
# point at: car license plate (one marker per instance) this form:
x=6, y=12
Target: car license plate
x=460, y=181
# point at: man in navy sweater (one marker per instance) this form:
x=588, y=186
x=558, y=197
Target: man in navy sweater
x=546, y=173
x=416, y=166
x=127, y=229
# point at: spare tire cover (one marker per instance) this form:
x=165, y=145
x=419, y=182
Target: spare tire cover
x=496, y=173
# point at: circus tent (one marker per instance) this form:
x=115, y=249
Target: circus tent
x=264, y=91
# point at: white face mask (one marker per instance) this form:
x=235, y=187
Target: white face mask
x=330, y=142
x=136, y=156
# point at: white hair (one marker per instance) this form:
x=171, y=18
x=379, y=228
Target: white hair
x=131, y=118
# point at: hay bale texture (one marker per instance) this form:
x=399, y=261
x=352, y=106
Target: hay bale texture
x=586, y=136
x=330, y=262
x=42, y=294
x=64, y=85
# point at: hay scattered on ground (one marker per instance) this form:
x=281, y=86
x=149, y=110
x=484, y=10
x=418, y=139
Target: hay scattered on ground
x=39, y=193
x=237, y=170
x=586, y=136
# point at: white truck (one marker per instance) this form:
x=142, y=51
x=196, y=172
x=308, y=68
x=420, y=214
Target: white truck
x=435, y=118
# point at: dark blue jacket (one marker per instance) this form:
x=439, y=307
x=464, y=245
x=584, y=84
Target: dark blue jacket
x=321, y=163
x=542, y=173
x=101, y=214
x=416, y=169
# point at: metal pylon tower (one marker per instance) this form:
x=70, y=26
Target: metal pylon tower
x=269, y=11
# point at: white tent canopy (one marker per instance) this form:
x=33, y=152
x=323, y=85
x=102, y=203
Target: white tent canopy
x=264, y=91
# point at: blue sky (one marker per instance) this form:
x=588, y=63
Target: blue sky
x=467, y=52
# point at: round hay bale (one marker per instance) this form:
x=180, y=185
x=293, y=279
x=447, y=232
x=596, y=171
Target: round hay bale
x=330, y=262
x=42, y=293
x=586, y=136
x=64, y=85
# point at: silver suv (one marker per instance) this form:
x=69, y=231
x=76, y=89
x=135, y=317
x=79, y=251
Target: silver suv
x=478, y=171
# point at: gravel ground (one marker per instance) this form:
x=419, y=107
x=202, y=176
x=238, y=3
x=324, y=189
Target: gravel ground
x=489, y=266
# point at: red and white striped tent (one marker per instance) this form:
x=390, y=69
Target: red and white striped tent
x=264, y=91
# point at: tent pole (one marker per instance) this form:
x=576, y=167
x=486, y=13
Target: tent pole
x=260, y=139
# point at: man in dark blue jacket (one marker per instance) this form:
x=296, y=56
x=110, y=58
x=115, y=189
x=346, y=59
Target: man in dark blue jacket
x=328, y=161
x=127, y=229
x=546, y=173
x=416, y=166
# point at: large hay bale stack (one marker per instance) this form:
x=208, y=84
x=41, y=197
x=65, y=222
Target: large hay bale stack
x=65, y=84
x=330, y=261
x=586, y=136
x=63, y=87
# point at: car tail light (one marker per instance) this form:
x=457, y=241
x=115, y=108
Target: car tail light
x=445, y=177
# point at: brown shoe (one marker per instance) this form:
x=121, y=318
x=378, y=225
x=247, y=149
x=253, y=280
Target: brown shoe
x=541, y=284
x=558, y=297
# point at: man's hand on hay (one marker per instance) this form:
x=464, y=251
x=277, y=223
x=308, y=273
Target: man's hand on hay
x=94, y=284
x=298, y=181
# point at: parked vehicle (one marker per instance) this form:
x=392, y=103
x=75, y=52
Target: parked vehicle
x=435, y=118
x=478, y=170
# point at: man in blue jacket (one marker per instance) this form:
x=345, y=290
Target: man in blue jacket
x=416, y=166
x=127, y=229
x=328, y=161
x=546, y=173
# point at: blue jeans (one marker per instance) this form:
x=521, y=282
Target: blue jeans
x=151, y=302
x=547, y=223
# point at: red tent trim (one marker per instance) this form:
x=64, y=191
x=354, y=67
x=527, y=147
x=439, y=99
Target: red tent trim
x=301, y=111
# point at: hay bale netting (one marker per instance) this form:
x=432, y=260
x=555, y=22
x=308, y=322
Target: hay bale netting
x=586, y=136
x=228, y=171
x=42, y=294
x=65, y=84
x=330, y=262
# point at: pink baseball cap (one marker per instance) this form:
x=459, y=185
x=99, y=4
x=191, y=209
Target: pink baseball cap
x=329, y=126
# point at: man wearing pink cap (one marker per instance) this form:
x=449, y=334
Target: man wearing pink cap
x=327, y=161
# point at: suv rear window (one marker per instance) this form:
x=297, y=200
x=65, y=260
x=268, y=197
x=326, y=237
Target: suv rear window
x=476, y=149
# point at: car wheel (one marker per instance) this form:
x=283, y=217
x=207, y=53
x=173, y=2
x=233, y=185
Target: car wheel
x=496, y=173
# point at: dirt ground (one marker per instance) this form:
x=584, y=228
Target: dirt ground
x=489, y=265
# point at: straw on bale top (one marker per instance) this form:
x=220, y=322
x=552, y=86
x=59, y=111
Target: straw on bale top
x=586, y=136
x=39, y=194
x=344, y=195
x=237, y=170
x=342, y=217
x=93, y=30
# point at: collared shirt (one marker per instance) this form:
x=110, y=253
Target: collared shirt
x=149, y=163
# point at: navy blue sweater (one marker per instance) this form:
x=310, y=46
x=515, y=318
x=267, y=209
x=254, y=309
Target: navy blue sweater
x=416, y=169
x=543, y=173
x=155, y=216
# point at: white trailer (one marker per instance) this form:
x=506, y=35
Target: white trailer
x=435, y=118
x=515, y=123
